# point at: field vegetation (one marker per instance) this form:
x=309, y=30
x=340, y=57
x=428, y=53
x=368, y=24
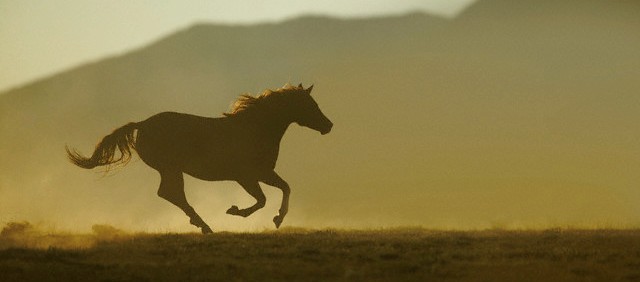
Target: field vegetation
x=406, y=254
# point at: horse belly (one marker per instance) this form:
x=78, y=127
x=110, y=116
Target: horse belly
x=210, y=169
x=229, y=162
x=226, y=166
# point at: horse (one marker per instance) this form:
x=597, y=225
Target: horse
x=240, y=146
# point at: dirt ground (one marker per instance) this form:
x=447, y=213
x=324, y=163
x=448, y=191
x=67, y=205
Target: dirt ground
x=321, y=255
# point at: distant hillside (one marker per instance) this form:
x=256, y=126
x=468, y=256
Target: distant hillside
x=514, y=114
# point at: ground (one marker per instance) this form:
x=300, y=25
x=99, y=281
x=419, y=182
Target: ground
x=323, y=255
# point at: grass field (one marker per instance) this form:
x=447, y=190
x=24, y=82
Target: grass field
x=321, y=255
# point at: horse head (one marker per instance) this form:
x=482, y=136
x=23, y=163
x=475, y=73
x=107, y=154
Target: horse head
x=307, y=113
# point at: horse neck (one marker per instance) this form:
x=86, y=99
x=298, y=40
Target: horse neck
x=271, y=124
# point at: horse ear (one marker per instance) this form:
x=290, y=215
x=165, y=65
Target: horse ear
x=300, y=86
x=309, y=89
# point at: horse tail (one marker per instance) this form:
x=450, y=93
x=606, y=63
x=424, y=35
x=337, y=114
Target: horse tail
x=105, y=153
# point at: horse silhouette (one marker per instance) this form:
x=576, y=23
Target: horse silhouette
x=241, y=146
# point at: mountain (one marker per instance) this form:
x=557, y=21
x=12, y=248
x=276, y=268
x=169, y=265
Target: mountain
x=513, y=114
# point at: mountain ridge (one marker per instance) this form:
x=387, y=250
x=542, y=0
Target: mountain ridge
x=212, y=25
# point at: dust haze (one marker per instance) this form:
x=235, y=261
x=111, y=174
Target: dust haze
x=512, y=115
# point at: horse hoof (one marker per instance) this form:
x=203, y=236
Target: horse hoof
x=206, y=230
x=233, y=210
x=277, y=220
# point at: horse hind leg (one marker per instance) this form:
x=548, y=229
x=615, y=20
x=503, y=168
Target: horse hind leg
x=172, y=190
x=253, y=188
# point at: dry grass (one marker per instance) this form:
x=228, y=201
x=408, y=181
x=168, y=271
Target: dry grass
x=324, y=255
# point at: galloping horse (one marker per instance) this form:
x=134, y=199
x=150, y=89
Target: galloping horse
x=241, y=146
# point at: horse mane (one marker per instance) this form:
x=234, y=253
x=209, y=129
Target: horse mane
x=247, y=103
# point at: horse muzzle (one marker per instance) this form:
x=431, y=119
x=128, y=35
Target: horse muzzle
x=327, y=129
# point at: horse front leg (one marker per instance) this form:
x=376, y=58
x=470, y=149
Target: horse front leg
x=273, y=179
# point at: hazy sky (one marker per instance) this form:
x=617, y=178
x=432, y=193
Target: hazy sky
x=39, y=38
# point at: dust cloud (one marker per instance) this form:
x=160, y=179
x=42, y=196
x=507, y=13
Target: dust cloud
x=27, y=235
